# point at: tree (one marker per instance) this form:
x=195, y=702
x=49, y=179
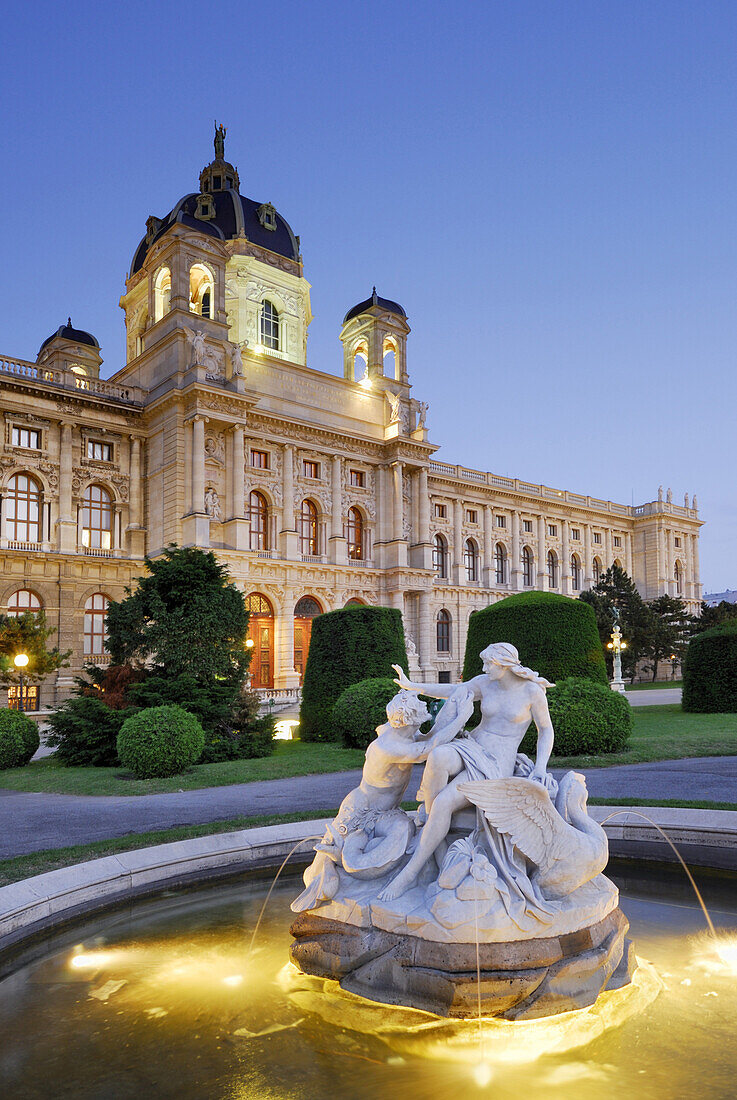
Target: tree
x=672, y=629
x=714, y=616
x=616, y=588
x=28, y=633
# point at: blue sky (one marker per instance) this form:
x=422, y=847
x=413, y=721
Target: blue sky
x=548, y=189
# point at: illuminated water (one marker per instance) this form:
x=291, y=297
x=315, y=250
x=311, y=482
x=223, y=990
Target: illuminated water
x=160, y=1000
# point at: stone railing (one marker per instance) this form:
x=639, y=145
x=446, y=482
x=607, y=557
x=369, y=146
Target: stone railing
x=68, y=380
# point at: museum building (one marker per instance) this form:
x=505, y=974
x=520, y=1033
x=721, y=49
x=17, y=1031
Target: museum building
x=315, y=490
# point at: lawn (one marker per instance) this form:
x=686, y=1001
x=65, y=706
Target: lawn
x=648, y=686
x=660, y=733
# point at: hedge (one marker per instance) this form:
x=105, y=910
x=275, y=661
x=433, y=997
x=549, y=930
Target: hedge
x=710, y=671
x=588, y=718
x=352, y=644
x=26, y=727
x=85, y=732
x=555, y=635
x=160, y=741
x=360, y=709
x=12, y=746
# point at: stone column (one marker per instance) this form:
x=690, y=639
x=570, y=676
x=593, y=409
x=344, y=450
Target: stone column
x=488, y=576
x=236, y=529
x=397, y=503
x=67, y=540
x=608, y=548
x=338, y=553
x=515, y=566
x=565, y=565
x=288, y=537
x=196, y=525
x=588, y=571
x=134, y=529
x=425, y=639
x=423, y=534
x=660, y=543
x=458, y=573
x=695, y=567
x=628, y=552
x=542, y=557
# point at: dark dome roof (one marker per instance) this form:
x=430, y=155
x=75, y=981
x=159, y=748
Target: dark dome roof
x=234, y=213
x=66, y=332
x=374, y=300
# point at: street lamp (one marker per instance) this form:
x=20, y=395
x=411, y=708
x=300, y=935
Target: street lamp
x=616, y=645
x=20, y=661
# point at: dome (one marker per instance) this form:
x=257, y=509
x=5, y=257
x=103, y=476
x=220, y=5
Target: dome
x=76, y=335
x=374, y=300
x=229, y=214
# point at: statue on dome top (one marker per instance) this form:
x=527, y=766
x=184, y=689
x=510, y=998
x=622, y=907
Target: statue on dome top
x=220, y=132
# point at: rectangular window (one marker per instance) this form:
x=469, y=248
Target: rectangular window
x=617, y=540
x=26, y=437
x=101, y=452
x=358, y=478
x=576, y=534
x=501, y=521
x=260, y=460
x=597, y=538
x=444, y=678
x=527, y=525
x=311, y=469
x=440, y=511
x=677, y=542
x=552, y=530
x=472, y=516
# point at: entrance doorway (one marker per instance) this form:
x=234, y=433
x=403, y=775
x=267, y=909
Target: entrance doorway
x=305, y=611
x=261, y=633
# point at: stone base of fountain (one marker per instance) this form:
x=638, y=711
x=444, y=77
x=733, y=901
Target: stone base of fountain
x=519, y=979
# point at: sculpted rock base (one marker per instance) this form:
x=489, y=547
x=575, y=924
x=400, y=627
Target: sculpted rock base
x=520, y=980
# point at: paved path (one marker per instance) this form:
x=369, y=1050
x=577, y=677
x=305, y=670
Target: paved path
x=31, y=822
x=650, y=697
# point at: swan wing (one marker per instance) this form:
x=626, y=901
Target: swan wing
x=522, y=809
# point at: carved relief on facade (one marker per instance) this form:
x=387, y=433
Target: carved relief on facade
x=215, y=448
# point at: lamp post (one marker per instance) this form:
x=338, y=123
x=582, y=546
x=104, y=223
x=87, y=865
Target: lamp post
x=617, y=645
x=20, y=661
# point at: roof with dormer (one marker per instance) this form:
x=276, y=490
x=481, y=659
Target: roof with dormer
x=230, y=215
x=68, y=332
x=375, y=300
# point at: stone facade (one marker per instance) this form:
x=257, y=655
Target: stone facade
x=217, y=434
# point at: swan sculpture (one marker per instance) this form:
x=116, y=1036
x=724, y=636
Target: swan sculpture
x=566, y=847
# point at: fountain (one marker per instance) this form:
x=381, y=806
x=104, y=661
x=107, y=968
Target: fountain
x=492, y=901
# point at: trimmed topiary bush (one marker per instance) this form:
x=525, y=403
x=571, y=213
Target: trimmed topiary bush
x=360, y=709
x=710, y=671
x=555, y=635
x=160, y=741
x=588, y=718
x=26, y=727
x=85, y=732
x=12, y=745
x=347, y=646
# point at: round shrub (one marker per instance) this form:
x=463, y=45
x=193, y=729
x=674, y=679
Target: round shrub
x=554, y=635
x=160, y=741
x=347, y=646
x=710, y=671
x=12, y=746
x=360, y=709
x=27, y=729
x=588, y=718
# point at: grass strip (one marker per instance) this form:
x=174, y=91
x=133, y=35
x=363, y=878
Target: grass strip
x=658, y=685
x=675, y=803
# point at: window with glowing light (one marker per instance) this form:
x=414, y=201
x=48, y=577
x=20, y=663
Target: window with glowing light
x=308, y=529
x=95, y=624
x=23, y=509
x=258, y=512
x=354, y=531
x=97, y=518
x=269, y=325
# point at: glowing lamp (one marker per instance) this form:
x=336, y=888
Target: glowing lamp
x=249, y=643
x=20, y=660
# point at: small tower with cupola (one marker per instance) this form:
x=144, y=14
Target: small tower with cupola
x=374, y=337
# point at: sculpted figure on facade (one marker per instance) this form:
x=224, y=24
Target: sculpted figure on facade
x=202, y=355
x=422, y=414
x=394, y=406
x=212, y=505
x=235, y=355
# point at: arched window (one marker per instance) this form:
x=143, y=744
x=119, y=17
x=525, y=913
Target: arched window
x=162, y=293
x=261, y=635
x=596, y=570
x=355, y=602
x=269, y=325
x=258, y=512
x=471, y=561
x=97, y=518
x=305, y=611
x=354, y=531
x=500, y=562
x=390, y=358
x=440, y=556
x=443, y=631
x=200, y=290
x=22, y=602
x=552, y=569
x=360, y=360
x=308, y=529
x=95, y=625
x=527, y=567
x=575, y=572
x=678, y=577
x=23, y=502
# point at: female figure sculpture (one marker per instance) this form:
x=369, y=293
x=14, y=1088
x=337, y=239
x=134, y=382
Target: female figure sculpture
x=511, y=696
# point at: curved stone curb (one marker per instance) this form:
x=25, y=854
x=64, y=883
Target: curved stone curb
x=705, y=837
